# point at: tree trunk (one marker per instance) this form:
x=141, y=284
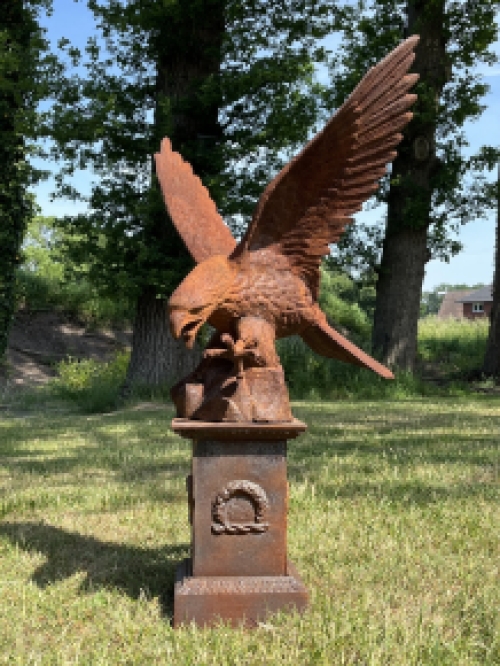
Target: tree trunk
x=399, y=291
x=491, y=363
x=157, y=359
x=401, y=273
x=188, y=41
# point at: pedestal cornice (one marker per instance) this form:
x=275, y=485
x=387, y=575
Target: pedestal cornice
x=243, y=431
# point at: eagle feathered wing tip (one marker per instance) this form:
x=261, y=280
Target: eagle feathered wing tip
x=190, y=206
x=325, y=340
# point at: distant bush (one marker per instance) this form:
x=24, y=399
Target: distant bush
x=459, y=345
x=310, y=376
x=76, y=298
x=339, y=296
x=46, y=281
x=93, y=385
x=454, y=347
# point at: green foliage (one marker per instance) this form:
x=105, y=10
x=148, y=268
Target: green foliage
x=358, y=252
x=21, y=45
x=76, y=298
x=42, y=248
x=94, y=386
x=252, y=73
x=338, y=299
x=460, y=191
x=450, y=349
x=46, y=280
x=41, y=274
x=455, y=346
x=310, y=376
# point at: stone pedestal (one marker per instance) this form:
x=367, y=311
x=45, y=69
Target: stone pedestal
x=238, y=502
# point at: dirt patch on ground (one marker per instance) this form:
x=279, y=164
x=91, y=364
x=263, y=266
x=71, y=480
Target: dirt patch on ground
x=39, y=340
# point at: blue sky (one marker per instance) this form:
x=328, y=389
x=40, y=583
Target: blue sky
x=474, y=264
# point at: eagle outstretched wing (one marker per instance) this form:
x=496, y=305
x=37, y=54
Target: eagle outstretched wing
x=308, y=204
x=190, y=206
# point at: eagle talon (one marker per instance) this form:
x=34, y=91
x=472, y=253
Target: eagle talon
x=235, y=351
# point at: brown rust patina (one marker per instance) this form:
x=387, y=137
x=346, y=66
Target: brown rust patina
x=267, y=286
x=234, y=407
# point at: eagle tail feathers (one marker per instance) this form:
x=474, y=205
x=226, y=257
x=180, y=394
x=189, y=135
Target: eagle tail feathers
x=325, y=340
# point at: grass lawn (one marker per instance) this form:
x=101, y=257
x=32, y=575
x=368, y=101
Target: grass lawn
x=394, y=525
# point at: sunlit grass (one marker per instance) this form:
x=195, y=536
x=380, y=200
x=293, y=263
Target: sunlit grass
x=456, y=345
x=394, y=526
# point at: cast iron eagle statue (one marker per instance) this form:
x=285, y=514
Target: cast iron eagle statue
x=267, y=286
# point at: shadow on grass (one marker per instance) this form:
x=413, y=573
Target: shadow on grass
x=370, y=452
x=133, y=570
x=414, y=492
x=367, y=469
x=15, y=429
x=134, y=446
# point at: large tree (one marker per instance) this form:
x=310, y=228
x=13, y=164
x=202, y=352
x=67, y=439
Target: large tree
x=231, y=82
x=491, y=363
x=433, y=187
x=21, y=86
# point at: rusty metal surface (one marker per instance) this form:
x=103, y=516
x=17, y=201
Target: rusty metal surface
x=239, y=601
x=267, y=287
x=200, y=430
x=190, y=204
x=239, y=508
x=235, y=405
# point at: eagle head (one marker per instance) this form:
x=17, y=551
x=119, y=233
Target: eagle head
x=198, y=296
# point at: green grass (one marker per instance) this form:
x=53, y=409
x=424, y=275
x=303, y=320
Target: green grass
x=394, y=525
x=448, y=352
x=455, y=346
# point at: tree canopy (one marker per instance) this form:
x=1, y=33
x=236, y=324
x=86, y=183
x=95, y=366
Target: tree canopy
x=24, y=77
x=461, y=189
x=234, y=84
x=434, y=186
x=112, y=118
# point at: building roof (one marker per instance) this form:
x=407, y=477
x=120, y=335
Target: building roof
x=451, y=305
x=481, y=295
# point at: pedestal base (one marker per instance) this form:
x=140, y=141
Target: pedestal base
x=238, y=499
x=237, y=600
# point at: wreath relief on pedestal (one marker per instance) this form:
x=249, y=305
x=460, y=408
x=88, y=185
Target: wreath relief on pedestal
x=251, y=492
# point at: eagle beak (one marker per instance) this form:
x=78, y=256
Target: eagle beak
x=186, y=325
